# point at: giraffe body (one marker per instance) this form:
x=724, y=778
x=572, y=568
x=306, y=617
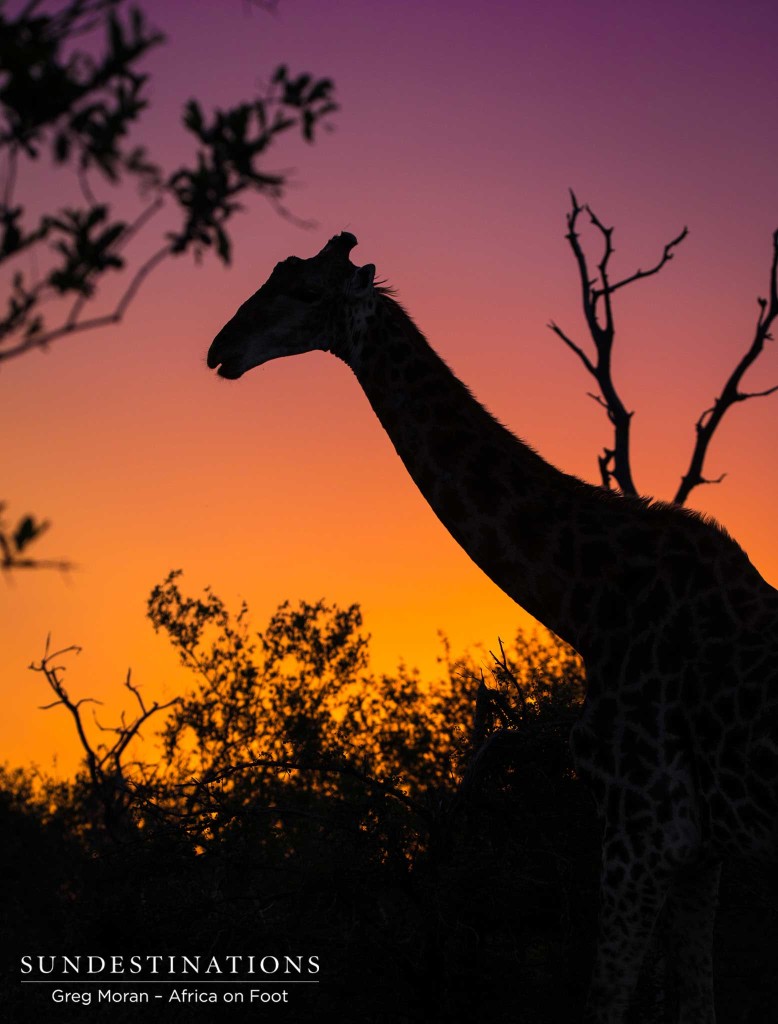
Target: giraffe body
x=678, y=739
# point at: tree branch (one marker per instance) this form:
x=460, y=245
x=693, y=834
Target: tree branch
x=104, y=763
x=615, y=463
x=572, y=345
x=709, y=420
x=52, y=675
x=667, y=255
x=14, y=542
x=73, y=326
x=605, y=292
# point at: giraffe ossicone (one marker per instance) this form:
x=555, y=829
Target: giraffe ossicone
x=678, y=738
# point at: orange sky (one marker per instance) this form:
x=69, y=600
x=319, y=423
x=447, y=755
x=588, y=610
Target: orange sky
x=459, y=135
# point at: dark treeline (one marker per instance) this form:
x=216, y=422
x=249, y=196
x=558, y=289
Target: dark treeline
x=426, y=840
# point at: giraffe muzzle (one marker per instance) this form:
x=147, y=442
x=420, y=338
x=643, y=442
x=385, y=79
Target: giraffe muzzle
x=221, y=354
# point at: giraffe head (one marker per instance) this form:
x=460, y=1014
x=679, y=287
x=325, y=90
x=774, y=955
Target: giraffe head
x=298, y=309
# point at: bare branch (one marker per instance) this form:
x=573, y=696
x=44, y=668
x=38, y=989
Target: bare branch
x=572, y=345
x=134, y=689
x=504, y=673
x=306, y=223
x=709, y=420
x=745, y=395
x=667, y=255
x=599, y=400
x=615, y=464
x=53, y=678
x=140, y=222
x=583, y=269
x=107, y=772
x=604, y=464
x=87, y=700
x=597, y=293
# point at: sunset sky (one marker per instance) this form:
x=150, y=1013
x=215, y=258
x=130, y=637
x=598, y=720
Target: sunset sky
x=462, y=127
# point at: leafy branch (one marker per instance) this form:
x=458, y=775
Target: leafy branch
x=84, y=245
x=79, y=104
x=14, y=542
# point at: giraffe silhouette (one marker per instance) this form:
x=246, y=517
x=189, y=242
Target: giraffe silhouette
x=678, y=738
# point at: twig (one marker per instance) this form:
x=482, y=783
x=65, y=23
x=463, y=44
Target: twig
x=667, y=255
x=72, y=326
x=140, y=222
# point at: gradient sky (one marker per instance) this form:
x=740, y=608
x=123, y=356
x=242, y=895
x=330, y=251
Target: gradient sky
x=462, y=127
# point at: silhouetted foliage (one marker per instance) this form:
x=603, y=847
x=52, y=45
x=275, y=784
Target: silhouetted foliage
x=14, y=541
x=433, y=848
x=287, y=717
x=68, y=95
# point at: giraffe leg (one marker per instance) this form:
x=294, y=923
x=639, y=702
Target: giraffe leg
x=690, y=916
x=630, y=901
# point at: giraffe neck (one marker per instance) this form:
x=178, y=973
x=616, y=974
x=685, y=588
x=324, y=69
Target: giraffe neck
x=506, y=506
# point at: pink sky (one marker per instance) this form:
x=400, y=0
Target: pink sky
x=462, y=127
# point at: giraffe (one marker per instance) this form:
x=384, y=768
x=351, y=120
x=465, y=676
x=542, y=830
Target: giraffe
x=678, y=737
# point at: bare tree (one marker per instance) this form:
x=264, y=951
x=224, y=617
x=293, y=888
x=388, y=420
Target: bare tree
x=597, y=291
x=112, y=790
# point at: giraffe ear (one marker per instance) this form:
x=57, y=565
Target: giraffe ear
x=362, y=280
